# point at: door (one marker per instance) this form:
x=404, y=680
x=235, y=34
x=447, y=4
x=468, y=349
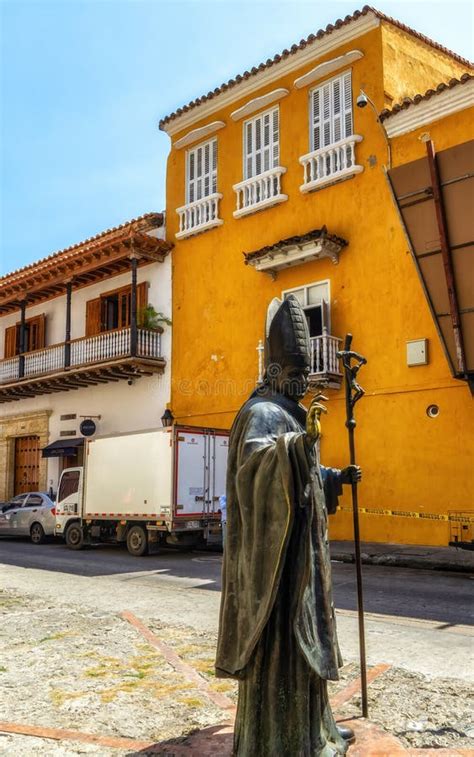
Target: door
x=27, y=461
x=192, y=469
x=30, y=510
x=69, y=492
x=220, y=449
x=9, y=517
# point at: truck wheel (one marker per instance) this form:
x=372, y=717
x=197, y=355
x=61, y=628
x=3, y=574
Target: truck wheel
x=137, y=542
x=74, y=536
x=37, y=534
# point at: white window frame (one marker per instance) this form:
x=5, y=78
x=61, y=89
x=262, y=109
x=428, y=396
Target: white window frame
x=344, y=111
x=212, y=174
x=307, y=305
x=275, y=160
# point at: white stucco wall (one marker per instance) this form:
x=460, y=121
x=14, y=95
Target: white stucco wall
x=121, y=407
x=159, y=295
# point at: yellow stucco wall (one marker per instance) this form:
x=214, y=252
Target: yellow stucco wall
x=411, y=67
x=411, y=463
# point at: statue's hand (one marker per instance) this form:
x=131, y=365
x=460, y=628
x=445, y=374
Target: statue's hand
x=351, y=475
x=313, y=424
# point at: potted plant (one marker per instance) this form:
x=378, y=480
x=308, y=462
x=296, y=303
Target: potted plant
x=151, y=319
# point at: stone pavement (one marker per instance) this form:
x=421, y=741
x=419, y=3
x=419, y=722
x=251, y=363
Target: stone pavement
x=406, y=556
x=371, y=741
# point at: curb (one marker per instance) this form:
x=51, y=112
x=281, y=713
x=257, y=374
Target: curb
x=401, y=561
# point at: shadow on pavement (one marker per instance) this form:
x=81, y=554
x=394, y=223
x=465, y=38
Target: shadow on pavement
x=214, y=740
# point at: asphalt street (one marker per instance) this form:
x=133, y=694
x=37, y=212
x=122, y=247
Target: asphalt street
x=399, y=592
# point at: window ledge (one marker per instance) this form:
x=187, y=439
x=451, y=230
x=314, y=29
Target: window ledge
x=334, y=178
x=198, y=229
x=260, y=205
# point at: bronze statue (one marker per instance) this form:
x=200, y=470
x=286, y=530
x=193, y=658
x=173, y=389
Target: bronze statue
x=277, y=632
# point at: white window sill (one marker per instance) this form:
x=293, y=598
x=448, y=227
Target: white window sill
x=199, y=229
x=334, y=178
x=260, y=205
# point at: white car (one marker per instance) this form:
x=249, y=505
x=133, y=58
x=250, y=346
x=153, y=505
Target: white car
x=30, y=514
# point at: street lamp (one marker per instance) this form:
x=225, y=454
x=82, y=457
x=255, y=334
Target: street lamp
x=167, y=418
x=362, y=101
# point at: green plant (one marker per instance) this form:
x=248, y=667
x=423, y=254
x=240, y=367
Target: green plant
x=149, y=318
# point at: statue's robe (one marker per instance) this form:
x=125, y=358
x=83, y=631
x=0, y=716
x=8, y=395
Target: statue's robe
x=277, y=632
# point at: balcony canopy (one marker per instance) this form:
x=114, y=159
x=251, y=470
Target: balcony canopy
x=315, y=244
x=92, y=260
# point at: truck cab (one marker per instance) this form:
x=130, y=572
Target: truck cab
x=69, y=501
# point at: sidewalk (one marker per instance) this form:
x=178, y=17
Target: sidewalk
x=406, y=556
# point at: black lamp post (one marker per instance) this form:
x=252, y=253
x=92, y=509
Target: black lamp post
x=167, y=418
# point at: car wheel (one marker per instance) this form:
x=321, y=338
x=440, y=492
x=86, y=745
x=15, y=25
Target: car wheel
x=37, y=534
x=75, y=536
x=137, y=542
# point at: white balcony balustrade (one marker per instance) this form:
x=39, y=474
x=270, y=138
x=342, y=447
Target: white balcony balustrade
x=149, y=343
x=105, y=347
x=324, y=363
x=199, y=215
x=9, y=370
x=47, y=360
x=330, y=164
x=97, y=349
x=259, y=192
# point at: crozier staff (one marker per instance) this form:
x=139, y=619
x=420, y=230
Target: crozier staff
x=277, y=631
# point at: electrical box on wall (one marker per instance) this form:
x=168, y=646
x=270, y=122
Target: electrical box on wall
x=417, y=352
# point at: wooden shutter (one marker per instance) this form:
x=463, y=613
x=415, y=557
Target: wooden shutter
x=93, y=317
x=10, y=342
x=201, y=171
x=142, y=300
x=36, y=333
x=261, y=142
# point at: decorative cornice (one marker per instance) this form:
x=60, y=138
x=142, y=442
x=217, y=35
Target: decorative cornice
x=245, y=86
x=197, y=134
x=258, y=103
x=295, y=251
x=425, y=111
x=323, y=69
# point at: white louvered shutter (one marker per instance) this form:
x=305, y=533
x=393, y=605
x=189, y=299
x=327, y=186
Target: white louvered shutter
x=261, y=142
x=331, y=112
x=347, y=103
x=202, y=171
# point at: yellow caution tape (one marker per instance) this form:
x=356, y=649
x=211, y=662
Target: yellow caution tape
x=411, y=514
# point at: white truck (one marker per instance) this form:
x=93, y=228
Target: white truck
x=146, y=488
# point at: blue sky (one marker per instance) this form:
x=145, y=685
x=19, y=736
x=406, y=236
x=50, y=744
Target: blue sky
x=83, y=85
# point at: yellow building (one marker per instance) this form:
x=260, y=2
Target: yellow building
x=276, y=183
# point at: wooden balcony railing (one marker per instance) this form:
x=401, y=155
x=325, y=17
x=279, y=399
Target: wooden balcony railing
x=324, y=363
x=105, y=347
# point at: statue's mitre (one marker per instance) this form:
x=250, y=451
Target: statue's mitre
x=287, y=336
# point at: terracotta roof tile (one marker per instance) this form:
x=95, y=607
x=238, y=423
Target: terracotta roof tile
x=141, y=223
x=407, y=101
x=312, y=38
x=300, y=239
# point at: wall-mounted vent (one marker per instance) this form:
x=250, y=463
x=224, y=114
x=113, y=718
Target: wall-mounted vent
x=68, y=417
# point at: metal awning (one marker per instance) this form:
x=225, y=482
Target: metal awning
x=434, y=196
x=63, y=447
